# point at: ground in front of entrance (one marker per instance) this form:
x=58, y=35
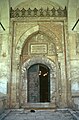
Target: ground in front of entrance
x=38, y=115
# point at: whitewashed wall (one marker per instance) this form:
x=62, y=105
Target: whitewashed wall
x=4, y=46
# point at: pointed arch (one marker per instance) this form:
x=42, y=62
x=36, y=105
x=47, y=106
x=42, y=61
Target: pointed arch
x=31, y=31
x=39, y=60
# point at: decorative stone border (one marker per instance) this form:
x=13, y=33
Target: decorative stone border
x=52, y=67
x=38, y=12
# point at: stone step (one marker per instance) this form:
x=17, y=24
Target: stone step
x=40, y=106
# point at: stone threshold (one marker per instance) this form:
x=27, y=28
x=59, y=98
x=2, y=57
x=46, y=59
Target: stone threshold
x=40, y=106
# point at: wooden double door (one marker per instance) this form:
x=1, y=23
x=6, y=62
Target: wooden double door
x=38, y=83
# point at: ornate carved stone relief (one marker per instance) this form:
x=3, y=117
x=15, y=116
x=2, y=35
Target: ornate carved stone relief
x=51, y=31
x=55, y=31
x=38, y=12
x=40, y=44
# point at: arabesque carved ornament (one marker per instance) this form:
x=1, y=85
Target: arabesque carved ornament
x=38, y=12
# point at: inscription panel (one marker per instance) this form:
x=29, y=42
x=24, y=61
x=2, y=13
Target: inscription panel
x=38, y=48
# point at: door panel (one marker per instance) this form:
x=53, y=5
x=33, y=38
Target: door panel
x=33, y=84
x=38, y=84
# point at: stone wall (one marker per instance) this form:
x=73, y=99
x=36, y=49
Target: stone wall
x=4, y=51
x=73, y=50
x=3, y=102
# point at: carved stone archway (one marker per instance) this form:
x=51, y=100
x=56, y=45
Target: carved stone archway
x=52, y=67
x=32, y=31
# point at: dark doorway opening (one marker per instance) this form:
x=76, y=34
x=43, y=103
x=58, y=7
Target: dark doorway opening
x=38, y=83
x=44, y=84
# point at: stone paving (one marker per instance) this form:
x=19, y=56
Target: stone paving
x=38, y=115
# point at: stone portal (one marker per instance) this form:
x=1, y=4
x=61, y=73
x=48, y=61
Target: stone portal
x=38, y=82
